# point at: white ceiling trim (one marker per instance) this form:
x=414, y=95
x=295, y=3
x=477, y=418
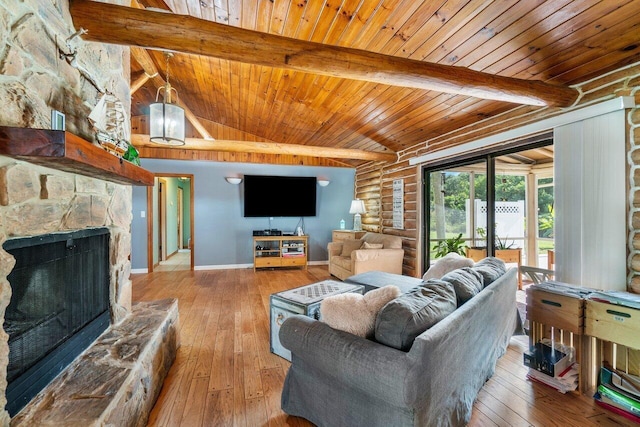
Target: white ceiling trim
x=599, y=109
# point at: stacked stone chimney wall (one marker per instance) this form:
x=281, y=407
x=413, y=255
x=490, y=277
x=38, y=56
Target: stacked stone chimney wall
x=43, y=67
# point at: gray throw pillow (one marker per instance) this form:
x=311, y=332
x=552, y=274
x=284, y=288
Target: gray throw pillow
x=490, y=268
x=401, y=320
x=466, y=283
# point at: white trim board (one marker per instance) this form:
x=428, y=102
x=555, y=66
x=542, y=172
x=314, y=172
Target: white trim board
x=599, y=109
x=222, y=267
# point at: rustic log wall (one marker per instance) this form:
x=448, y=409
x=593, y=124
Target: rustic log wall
x=374, y=180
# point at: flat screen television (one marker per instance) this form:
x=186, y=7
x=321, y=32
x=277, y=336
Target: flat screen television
x=266, y=196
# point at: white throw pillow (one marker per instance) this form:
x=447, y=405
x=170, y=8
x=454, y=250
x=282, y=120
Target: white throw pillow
x=355, y=313
x=449, y=262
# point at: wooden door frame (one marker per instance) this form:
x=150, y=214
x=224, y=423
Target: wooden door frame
x=180, y=217
x=150, y=217
x=162, y=219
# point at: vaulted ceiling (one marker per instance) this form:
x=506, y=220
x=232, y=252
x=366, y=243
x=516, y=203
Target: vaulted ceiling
x=561, y=42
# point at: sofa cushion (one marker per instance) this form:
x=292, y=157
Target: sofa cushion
x=490, y=268
x=350, y=245
x=401, y=320
x=447, y=263
x=356, y=313
x=388, y=241
x=367, y=245
x=342, y=262
x=466, y=282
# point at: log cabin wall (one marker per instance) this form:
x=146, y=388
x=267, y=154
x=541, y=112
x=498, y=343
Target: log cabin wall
x=374, y=180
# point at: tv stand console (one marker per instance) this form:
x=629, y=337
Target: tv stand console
x=280, y=251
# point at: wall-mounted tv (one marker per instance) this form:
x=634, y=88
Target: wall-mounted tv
x=279, y=196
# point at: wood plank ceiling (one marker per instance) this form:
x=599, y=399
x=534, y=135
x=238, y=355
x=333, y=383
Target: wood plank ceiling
x=557, y=41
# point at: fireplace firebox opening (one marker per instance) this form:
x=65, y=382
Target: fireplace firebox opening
x=59, y=306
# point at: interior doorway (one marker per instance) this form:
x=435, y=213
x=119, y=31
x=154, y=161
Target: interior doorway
x=170, y=223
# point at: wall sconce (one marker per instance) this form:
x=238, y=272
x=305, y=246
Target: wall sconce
x=233, y=180
x=323, y=182
x=357, y=208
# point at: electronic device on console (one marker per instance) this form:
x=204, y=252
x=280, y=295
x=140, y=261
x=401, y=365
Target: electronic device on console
x=271, y=232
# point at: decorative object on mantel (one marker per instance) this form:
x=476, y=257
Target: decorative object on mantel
x=357, y=208
x=110, y=122
x=166, y=120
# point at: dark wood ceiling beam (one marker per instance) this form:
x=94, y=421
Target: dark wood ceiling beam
x=158, y=30
x=139, y=140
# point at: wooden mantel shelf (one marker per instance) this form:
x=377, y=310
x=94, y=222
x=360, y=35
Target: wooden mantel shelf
x=65, y=151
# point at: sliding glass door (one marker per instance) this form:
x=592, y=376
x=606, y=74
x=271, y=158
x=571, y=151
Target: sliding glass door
x=454, y=216
x=511, y=190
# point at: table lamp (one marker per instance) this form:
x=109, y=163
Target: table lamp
x=357, y=208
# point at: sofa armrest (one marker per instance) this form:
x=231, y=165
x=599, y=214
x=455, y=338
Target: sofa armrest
x=334, y=248
x=347, y=358
x=388, y=260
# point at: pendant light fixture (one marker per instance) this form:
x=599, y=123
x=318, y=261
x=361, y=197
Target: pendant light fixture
x=167, y=124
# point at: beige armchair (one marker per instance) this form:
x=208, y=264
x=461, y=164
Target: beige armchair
x=350, y=257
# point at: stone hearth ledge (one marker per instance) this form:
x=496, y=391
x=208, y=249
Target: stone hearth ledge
x=116, y=381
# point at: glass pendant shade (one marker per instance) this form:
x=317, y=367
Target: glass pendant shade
x=166, y=124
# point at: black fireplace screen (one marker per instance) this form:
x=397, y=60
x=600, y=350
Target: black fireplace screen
x=59, y=305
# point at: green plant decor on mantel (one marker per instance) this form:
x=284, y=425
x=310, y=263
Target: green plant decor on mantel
x=452, y=244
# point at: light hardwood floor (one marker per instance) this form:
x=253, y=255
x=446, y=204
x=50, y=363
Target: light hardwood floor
x=224, y=374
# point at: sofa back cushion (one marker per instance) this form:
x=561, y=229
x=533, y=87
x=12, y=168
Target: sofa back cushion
x=466, y=282
x=388, y=241
x=401, y=320
x=350, y=245
x=447, y=263
x=490, y=268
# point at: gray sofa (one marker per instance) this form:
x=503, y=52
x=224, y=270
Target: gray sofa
x=339, y=379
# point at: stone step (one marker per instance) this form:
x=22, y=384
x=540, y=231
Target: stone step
x=117, y=379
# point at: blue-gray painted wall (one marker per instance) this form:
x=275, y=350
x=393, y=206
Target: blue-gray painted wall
x=223, y=237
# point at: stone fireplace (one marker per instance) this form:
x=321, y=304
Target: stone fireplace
x=45, y=66
x=36, y=201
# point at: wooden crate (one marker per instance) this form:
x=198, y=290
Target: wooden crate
x=560, y=318
x=613, y=323
x=560, y=311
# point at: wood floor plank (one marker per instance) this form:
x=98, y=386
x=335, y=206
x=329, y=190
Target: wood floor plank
x=225, y=375
x=218, y=409
x=252, y=380
x=239, y=413
x=193, y=413
x=222, y=366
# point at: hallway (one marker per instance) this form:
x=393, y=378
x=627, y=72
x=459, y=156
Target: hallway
x=179, y=261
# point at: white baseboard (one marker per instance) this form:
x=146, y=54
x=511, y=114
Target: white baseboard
x=222, y=267
x=241, y=266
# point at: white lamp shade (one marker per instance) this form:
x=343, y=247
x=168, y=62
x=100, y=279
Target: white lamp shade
x=166, y=124
x=357, y=207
